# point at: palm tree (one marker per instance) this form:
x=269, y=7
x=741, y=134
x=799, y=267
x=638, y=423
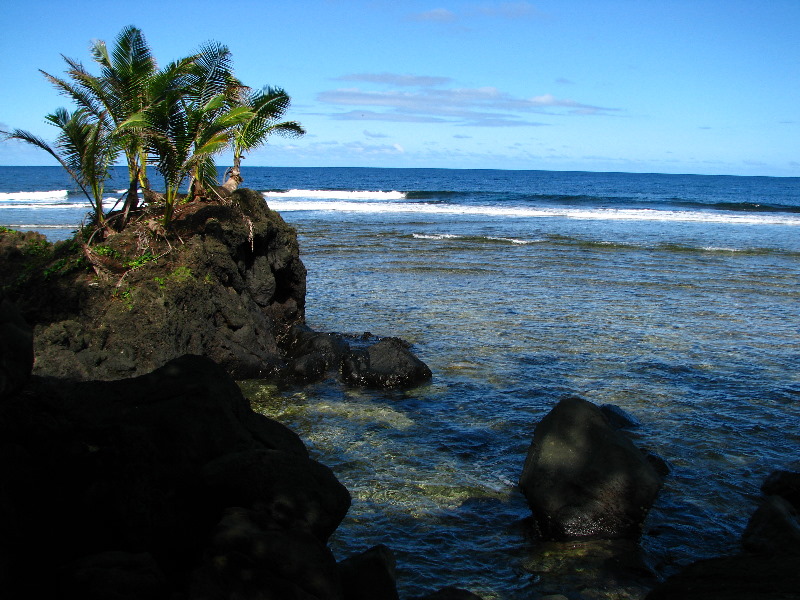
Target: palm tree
x=189, y=123
x=120, y=91
x=267, y=106
x=85, y=149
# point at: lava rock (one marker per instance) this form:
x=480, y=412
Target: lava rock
x=386, y=364
x=741, y=577
x=144, y=467
x=585, y=480
x=250, y=557
x=369, y=575
x=785, y=484
x=774, y=528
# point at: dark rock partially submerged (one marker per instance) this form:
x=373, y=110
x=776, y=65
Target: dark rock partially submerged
x=768, y=567
x=386, y=364
x=583, y=479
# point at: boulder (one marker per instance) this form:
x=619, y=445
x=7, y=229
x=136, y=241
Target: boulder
x=369, y=575
x=585, y=480
x=294, y=491
x=785, y=484
x=114, y=576
x=250, y=557
x=113, y=481
x=387, y=363
x=16, y=348
x=742, y=577
x=312, y=355
x=774, y=528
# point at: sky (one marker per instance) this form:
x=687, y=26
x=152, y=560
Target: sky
x=669, y=86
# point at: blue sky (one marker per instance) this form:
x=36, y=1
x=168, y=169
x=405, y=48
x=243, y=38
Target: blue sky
x=694, y=86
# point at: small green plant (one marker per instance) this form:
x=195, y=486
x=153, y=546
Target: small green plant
x=181, y=274
x=105, y=251
x=162, y=282
x=141, y=261
x=63, y=265
x=126, y=296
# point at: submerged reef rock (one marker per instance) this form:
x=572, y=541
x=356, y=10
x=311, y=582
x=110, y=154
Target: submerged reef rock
x=148, y=485
x=583, y=479
x=226, y=281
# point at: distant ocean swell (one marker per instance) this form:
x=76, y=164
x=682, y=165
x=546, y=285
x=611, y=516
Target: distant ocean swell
x=391, y=202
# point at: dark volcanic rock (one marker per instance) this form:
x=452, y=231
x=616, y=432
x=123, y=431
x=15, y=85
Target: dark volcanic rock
x=117, y=480
x=769, y=567
x=774, y=528
x=313, y=355
x=742, y=577
x=585, y=480
x=369, y=575
x=385, y=364
x=228, y=286
x=16, y=349
x=251, y=557
x=785, y=484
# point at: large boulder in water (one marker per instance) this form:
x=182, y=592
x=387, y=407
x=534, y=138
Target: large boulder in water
x=585, y=480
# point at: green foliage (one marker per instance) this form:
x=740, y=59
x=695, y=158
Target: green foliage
x=177, y=118
x=181, y=274
x=37, y=247
x=141, y=261
x=106, y=251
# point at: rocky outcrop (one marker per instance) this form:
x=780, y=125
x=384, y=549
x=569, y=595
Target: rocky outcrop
x=148, y=485
x=225, y=282
x=583, y=479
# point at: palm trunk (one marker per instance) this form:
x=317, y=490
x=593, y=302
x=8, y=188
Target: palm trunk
x=234, y=176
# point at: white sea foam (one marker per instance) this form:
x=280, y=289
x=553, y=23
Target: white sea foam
x=47, y=206
x=285, y=204
x=337, y=195
x=34, y=196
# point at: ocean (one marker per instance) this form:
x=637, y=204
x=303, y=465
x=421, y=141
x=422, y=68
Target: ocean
x=674, y=297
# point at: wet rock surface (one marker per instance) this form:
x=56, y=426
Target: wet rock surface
x=584, y=479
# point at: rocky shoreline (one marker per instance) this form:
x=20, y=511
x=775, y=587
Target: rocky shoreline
x=133, y=467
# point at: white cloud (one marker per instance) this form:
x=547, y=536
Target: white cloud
x=374, y=135
x=437, y=15
x=395, y=79
x=482, y=106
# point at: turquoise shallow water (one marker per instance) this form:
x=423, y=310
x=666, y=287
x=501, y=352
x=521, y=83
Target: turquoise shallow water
x=673, y=297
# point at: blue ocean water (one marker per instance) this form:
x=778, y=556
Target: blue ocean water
x=674, y=297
